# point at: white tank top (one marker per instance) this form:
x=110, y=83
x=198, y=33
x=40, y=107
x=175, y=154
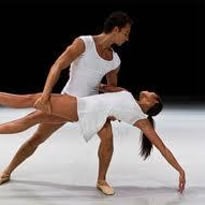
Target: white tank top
x=94, y=110
x=87, y=71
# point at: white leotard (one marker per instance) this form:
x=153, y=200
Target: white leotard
x=94, y=110
x=87, y=71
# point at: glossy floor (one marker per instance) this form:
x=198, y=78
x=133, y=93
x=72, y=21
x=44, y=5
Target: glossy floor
x=63, y=170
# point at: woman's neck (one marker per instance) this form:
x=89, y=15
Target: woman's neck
x=144, y=106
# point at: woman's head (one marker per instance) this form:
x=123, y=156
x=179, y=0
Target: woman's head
x=150, y=102
x=152, y=105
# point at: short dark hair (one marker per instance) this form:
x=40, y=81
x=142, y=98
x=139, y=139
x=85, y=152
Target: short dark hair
x=117, y=18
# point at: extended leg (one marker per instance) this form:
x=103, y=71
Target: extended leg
x=105, y=152
x=18, y=101
x=27, y=149
x=28, y=121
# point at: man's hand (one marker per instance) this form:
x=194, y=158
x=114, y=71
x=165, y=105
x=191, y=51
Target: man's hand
x=43, y=104
x=109, y=88
x=101, y=87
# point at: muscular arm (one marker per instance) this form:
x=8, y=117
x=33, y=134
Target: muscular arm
x=111, y=85
x=147, y=129
x=63, y=61
x=112, y=77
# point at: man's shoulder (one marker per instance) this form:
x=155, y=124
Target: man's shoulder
x=85, y=37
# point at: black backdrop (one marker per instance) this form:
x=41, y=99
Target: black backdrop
x=164, y=52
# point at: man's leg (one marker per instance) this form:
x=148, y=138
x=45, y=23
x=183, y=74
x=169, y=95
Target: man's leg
x=105, y=152
x=27, y=149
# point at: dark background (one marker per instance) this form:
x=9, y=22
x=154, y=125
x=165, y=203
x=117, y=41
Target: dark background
x=164, y=52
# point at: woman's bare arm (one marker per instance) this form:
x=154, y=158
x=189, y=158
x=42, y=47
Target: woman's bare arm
x=146, y=127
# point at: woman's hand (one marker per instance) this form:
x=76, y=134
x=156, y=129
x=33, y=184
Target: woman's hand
x=182, y=181
x=43, y=104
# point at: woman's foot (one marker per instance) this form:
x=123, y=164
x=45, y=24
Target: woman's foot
x=4, y=178
x=105, y=188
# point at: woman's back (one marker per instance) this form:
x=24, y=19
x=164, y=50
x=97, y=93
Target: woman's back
x=94, y=110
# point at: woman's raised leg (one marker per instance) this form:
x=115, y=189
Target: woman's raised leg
x=18, y=100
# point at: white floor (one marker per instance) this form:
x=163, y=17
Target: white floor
x=63, y=170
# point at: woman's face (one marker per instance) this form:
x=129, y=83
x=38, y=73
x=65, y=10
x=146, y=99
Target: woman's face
x=149, y=97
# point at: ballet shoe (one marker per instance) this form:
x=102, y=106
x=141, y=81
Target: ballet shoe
x=4, y=179
x=105, y=188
